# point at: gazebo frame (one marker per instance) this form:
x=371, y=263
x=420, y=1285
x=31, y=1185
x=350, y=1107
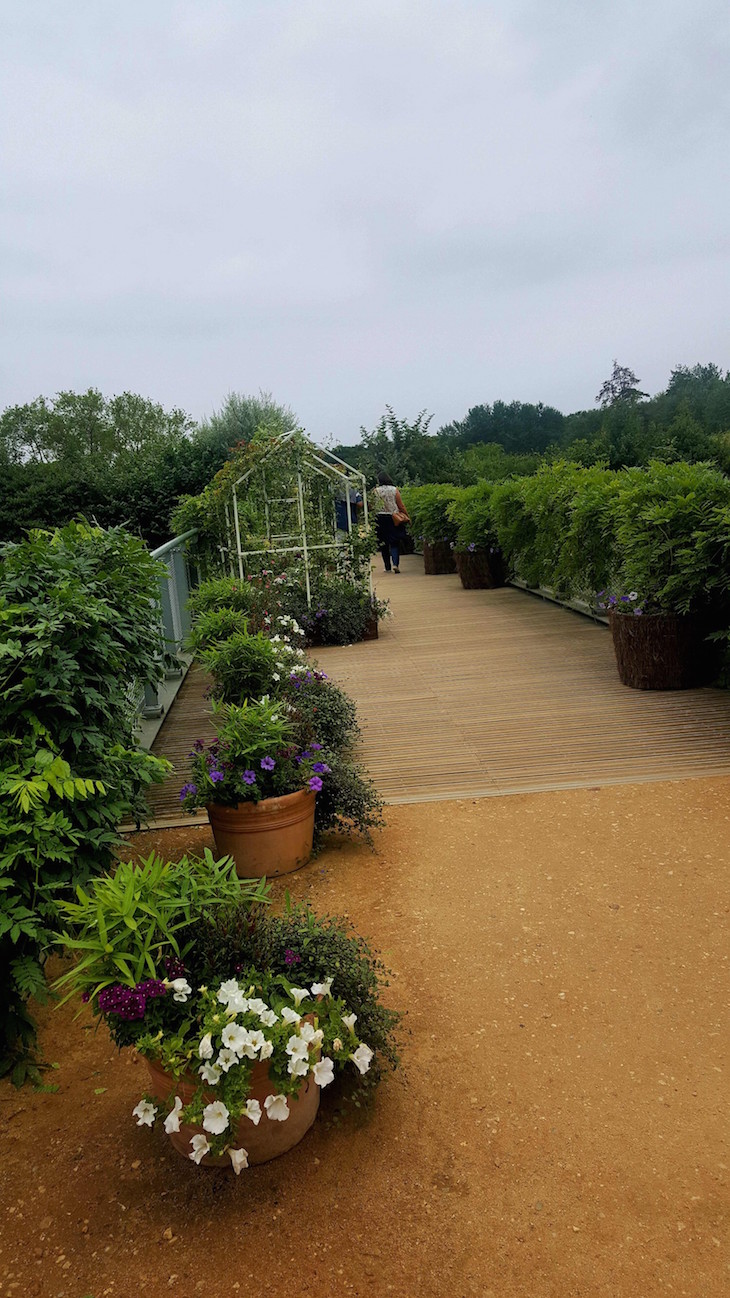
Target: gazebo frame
x=323, y=462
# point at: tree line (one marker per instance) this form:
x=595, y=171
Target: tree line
x=126, y=460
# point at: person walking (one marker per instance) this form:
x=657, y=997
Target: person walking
x=390, y=532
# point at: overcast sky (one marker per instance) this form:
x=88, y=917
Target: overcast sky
x=429, y=203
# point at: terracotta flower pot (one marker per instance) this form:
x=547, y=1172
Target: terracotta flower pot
x=438, y=558
x=262, y=1142
x=480, y=570
x=269, y=838
x=656, y=651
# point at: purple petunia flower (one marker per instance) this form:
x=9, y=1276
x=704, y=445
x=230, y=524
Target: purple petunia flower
x=316, y=748
x=638, y=612
x=186, y=789
x=217, y=776
x=198, y=746
x=267, y=763
x=315, y=784
x=249, y=777
x=291, y=957
x=624, y=599
x=174, y=967
x=471, y=547
x=321, y=768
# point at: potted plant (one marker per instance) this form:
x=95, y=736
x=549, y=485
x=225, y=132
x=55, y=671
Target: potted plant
x=479, y=561
x=671, y=538
x=241, y=1017
x=428, y=507
x=257, y=787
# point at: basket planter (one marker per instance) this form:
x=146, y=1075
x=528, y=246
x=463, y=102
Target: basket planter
x=270, y=837
x=657, y=651
x=438, y=558
x=263, y=1141
x=480, y=570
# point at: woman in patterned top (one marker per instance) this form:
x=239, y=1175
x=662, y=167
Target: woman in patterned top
x=390, y=534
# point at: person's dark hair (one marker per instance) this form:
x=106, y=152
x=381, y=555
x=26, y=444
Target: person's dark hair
x=384, y=480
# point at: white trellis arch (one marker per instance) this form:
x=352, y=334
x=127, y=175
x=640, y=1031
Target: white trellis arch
x=326, y=464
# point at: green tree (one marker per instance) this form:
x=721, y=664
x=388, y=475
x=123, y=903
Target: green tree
x=621, y=388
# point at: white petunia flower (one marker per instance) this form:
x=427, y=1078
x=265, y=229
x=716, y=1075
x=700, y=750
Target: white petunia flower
x=361, y=1058
x=253, y=1111
x=322, y=989
x=324, y=1072
x=215, y=1117
x=200, y=1146
x=239, y=1159
x=257, y=1006
x=237, y=1003
x=227, y=990
x=297, y=1045
x=145, y=1113
x=269, y=1018
x=256, y=1040
x=226, y=1059
x=181, y=989
x=633, y=594
x=308, y=1034
x=205, y=1049
x=210, y=1073
x=266, y=1050
x=298, y=1065
x=277, y=1109
x=298, y=994
x=235, y=1038
x=349, y=1021
x=290, y=1015
x=275, y=676
x=172, y=1121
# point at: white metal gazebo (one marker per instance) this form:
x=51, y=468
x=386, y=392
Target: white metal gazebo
x=342, y=478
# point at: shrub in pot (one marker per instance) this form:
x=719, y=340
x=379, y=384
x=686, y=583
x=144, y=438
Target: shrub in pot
x=242, y=1017
x=428, y=507
x=479, y=561
x=258, y=787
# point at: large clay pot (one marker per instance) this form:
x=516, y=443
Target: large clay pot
x=480, y=570
x=270, y=837
x=656, y=651
x=438, y=558
x=262, y=1142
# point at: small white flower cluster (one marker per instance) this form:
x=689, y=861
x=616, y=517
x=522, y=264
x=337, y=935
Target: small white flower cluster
x=239, y=1043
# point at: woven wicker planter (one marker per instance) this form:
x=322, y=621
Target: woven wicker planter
x=438, y=558
x=480, y=570
x=657, y=651
x=371, y=628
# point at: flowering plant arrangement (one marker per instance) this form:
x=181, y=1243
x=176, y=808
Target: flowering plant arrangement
x=230, y=1028
x=631, y=603
x=185, y=963
x=254, y=756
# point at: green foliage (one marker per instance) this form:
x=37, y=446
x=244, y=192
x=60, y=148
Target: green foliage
x=243, y=666
x=323, y=713
x=470, y=511
x=341, y=612
x=217, y=624
x=348, y=801
x=428, y=508
x=121, y=928
x=78, y=633
x=223, y=593
x=492, y=463
x=671, y=528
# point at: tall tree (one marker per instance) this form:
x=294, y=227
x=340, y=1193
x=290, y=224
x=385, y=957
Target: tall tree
x=622, y=387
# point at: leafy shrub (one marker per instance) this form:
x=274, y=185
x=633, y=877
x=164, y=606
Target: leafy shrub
x=217, y=624
x=348, y=802
x=340, y=614
x=470, y=511
x=428, y=508
x=323, y=713
x=223, y=592
x=243, y=667
x=78, y=632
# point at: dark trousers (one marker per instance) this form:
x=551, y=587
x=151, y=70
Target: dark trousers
x=388, y=540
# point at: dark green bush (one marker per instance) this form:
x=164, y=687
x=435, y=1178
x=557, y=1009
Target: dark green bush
x=243, y=667
x=324, y=713
x=348, y=802
x=428, y=508
x=223, y=592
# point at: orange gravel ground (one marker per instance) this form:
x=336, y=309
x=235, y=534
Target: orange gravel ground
x=560, y=1124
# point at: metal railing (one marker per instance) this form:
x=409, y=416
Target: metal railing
x=175, y=588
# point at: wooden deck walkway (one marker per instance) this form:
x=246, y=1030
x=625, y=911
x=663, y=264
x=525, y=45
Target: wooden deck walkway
x=483, y=693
